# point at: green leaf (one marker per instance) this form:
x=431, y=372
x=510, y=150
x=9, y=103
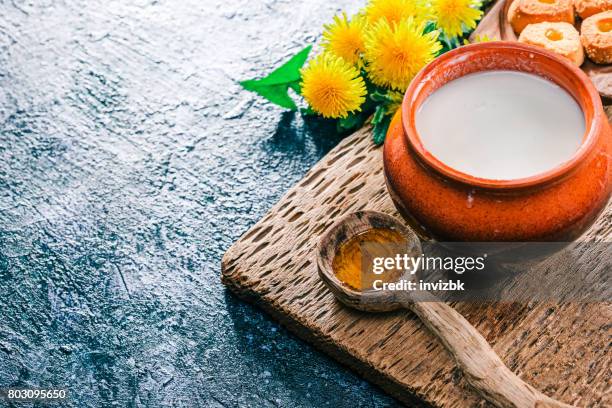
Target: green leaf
x=446, y=41
x=352, y=121
x=379, y=114
x=445, y=44
x=378, y=96
x=380, y=129
x=348, y=122
x=289, y=71
x=295, y=85
x=429, y=27
x=274, y=93
x=455, y=42
x=274, y=87
x=386, y=98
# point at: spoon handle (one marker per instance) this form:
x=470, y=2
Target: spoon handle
x=483, y=368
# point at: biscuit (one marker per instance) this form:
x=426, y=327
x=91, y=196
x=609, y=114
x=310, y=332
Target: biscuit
x=586, y=8
x=521, y=13
x=596, y=37
x=560, y=38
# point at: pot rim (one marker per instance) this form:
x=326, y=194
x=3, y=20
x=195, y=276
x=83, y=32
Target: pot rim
x=592, y=122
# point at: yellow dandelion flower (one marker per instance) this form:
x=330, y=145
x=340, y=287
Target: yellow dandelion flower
x=395, y=11
x=332, y=86
x=450, y=15
x=396, y=53
x=345, y=38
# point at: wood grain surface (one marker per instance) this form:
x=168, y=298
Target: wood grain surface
x=562, y=350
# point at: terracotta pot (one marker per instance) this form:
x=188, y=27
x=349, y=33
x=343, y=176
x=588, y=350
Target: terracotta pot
x=443, y=203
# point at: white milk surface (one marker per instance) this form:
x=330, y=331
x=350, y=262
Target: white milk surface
x=501, y=125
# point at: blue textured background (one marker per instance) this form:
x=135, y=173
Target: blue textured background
x=129, y=162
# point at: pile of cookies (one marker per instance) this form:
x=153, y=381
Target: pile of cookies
x=551, y=24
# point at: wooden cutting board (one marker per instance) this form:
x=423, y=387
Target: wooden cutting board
x=562, y=350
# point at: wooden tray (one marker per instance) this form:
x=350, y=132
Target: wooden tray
x=495, y=25
x=561, y=350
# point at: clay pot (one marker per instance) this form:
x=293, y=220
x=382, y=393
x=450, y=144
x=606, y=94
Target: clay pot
x=443, y=203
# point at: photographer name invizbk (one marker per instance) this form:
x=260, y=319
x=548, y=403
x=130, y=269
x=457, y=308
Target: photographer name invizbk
x=404, y=284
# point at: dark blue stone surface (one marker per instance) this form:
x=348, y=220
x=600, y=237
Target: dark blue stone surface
x=130, y=160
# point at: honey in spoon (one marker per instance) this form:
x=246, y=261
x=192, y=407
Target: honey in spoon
x=372, y=243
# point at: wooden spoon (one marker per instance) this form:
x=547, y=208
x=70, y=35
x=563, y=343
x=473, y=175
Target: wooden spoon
x=483, y=368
